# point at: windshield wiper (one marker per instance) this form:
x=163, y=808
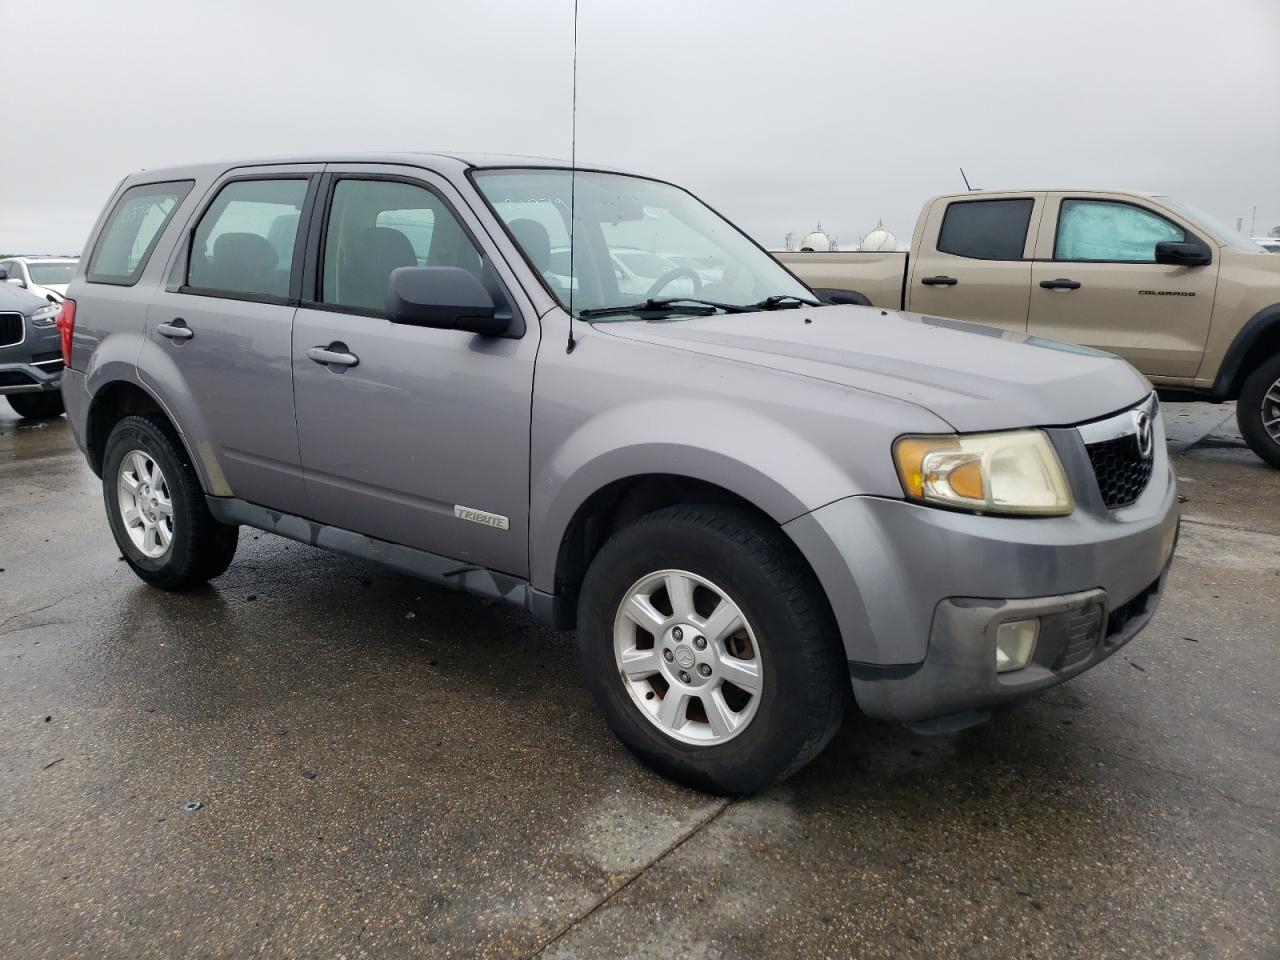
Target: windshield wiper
x=784, y=300
x=694, y=308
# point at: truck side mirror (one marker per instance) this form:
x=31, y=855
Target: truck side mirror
x=1177, y=253
x=445, y=298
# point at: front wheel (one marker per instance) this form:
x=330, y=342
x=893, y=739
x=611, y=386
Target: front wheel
x=157, y=510
x=1258, y=410
x=710, y=648
x=37, y=406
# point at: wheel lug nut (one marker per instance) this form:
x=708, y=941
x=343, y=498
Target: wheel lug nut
x=684, y=677
x=668, y=656
x=704, y=669
x=677, y=633
x=700, y=642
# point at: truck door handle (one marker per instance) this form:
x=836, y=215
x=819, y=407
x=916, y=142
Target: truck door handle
x=1060, y=284
x=939, y=281
x=334, y=355
x=178, y=330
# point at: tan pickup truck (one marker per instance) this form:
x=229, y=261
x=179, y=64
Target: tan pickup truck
x=1191, y=303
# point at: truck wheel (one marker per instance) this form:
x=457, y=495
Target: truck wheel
x=710, y=648
x=1258, y=410
x=157, y=511
x=37, y=406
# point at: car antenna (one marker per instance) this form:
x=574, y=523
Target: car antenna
x=573, y=174
x=966, y=180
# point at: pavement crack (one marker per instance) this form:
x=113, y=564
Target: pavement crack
x=26, y=613
x=620, y=888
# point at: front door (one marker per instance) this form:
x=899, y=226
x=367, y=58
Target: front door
x=417, y=436
x=974, y=260
x=1096, y=283
x=225, y=326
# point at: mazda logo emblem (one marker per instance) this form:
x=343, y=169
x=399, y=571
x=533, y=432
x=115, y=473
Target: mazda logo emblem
x=1144, y=430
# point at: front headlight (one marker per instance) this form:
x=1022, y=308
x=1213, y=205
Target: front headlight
x=46, y=316
x=1016, y=472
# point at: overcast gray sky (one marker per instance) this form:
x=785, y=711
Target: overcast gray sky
x=779, y=114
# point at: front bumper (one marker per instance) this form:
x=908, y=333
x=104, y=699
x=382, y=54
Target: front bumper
x=34, y=364
x=919, y=592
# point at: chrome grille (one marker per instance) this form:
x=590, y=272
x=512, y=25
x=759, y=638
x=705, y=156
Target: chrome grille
x=12, y=329
x=1122, y=451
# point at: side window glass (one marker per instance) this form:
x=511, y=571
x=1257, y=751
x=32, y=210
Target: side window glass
x=243, y=245
x=1104, y=230
x=986, y=229
x=375, y=226
x=132, y=229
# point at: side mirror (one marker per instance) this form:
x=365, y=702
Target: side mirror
x=446, y=298
x=4, y=273
x=1177, y=253
x=835, y=296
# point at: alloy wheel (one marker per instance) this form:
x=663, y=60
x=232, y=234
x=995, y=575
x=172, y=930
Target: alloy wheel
x=146, y=505
x=688, y=657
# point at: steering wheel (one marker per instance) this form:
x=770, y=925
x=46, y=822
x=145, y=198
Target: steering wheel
x=671, y=276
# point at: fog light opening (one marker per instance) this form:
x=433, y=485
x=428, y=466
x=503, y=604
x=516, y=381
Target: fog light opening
x=1015, y=643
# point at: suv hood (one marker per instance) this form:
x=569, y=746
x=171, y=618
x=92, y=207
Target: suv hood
x=972, y=376
x=13, y=299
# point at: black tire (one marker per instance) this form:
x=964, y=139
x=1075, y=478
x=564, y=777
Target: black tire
x=805, y=689
x=1254, y=409
x=201, y=547
x=37, y=406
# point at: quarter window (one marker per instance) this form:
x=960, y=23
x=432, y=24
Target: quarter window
x=1105, y=230
x=986, y=229
x=376, y=226
x=132, y=229
x=243, y=245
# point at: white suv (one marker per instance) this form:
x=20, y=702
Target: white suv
x=46, y=277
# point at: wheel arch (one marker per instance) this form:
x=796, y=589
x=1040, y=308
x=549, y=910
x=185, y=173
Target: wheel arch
x=115, y=400
x=1256, y=340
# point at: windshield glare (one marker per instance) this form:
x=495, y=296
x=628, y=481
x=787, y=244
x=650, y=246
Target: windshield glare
x=44, y=274
x=632, y=239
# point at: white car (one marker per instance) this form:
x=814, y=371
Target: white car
x=45, y=277
x=1269, y=244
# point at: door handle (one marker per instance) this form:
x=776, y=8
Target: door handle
x=178, y=330
x=939, y=281
x=1060, y=284
x=334, y=355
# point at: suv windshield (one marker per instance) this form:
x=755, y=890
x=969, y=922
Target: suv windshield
x=632, y=240
x=43, y=274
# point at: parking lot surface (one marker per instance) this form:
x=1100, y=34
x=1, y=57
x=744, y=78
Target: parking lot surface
x=316, y=757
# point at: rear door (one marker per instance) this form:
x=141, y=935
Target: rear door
x=223, y=327
x=423, y=439
x=974, y=260
x=1096, y=283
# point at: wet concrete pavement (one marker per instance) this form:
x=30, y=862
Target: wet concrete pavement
x=389, y=769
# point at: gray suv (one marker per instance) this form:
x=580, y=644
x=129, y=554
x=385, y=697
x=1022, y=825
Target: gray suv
x=755, y=508
x=30, y=352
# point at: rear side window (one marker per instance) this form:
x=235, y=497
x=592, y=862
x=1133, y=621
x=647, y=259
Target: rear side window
x=132, y=229
x=1109, y=231
x=243, y=245
x=986, y=229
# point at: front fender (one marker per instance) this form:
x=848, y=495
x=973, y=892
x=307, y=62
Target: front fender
x=758, y=459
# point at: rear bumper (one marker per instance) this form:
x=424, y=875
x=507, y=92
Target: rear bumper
x=75, y=398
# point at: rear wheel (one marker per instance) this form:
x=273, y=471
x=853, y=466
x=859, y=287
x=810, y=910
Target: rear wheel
x=710, y=648
x=37, y=406
x=156, y=508
x=1258, y=410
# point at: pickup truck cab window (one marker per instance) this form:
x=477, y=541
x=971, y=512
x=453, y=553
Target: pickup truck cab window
x=1111, y=231
x=986, y=229
x=616, y=215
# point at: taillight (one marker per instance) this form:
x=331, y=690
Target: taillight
x=67, y=327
